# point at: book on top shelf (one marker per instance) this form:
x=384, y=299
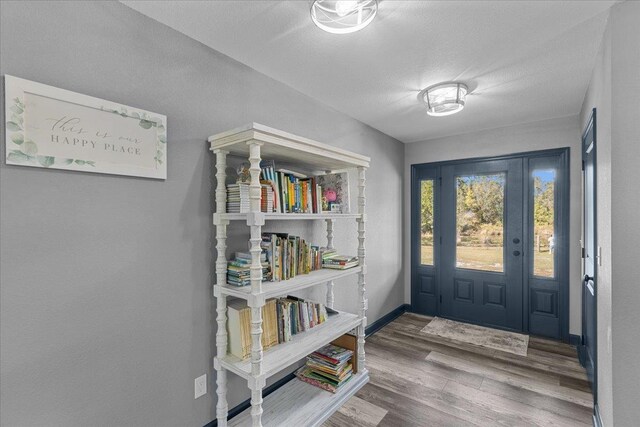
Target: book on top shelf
x=335, y=196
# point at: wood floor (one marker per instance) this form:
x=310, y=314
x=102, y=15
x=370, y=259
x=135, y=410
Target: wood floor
x=425, y=380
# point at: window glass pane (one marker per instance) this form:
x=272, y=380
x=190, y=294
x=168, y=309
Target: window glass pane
x=479, y=222
x=543, y=222
x=426, y=222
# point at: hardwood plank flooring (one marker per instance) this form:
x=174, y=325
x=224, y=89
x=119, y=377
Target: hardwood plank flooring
x=418, y=379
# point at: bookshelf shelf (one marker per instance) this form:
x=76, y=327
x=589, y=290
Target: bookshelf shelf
x=282, y=355
x=284, y=287
x=288, y=216
x=301, y=404
x=296, y=403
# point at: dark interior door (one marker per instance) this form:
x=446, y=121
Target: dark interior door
x=482, y=251
x=589, y=283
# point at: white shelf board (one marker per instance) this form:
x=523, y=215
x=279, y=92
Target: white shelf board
x=302, y=405
x=284, y=287
x=289, y=216
x=285, y=147
x=282, y=355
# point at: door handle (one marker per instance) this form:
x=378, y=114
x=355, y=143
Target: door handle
x=588, y=278
x=516, y=253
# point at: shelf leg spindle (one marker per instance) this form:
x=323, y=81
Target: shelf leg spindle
x=221, y=279
x=361, y=276
x=257, y=382
x=256, y=220
x=330, y=295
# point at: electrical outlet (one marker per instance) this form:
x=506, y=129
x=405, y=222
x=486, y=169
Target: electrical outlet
x=201, y=386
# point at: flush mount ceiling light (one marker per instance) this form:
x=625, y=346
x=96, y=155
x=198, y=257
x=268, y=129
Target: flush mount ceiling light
x=343, y=16
x=444, y=99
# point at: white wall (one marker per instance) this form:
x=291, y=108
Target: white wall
x=614, y=88
x=542, y=135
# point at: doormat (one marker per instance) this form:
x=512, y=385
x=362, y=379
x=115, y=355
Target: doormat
x=496, y=339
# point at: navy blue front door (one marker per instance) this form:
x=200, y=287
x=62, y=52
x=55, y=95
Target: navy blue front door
x=482, y=241
x=489, y=241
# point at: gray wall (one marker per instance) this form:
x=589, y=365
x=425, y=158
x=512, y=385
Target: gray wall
x=542, y=135
x=106, y=306
x=613, y=90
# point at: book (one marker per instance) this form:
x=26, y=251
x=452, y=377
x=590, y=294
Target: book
x=328, y=368
x=238, y=198
x=239, y=327
x=336, y=192
x=331, y=259
x=239, y=269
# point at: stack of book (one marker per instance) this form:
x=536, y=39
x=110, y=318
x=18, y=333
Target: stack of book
x=327, y=368
x=327, y=253
x=238, y=198
x=339, y=262
x=282, y=319
x=239, y=269
x=266, y=197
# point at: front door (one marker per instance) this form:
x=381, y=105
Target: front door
x=482, y=237
x=490, y=241
x=589, y=288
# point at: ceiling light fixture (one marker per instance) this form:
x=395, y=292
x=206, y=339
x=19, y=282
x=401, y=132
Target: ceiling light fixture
x=444, y=99
x=343, y=16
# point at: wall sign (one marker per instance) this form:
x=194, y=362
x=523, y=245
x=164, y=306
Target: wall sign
x=55, y=128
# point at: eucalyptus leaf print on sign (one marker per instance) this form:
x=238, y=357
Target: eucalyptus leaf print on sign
x=67, y=130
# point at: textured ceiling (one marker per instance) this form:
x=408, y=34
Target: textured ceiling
x=522, y=60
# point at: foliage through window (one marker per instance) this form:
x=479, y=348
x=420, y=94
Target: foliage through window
x=544, y=240
x=426, y=222
x=479, y=222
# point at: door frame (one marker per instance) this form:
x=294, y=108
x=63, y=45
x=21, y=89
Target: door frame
x=563, y=213
x=591, y=126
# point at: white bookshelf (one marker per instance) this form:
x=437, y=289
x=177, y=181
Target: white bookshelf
x=295, y=403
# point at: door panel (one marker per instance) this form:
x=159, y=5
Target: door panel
x=544, y=245
x=481, y=212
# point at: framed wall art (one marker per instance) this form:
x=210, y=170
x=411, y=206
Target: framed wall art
x=53, y=128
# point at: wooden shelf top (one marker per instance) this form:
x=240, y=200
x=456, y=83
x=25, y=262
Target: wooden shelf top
x=289, y=216
x=284, y=287
x=300, y=404
x=285, y=147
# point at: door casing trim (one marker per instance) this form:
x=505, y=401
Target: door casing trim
x=591, y=125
